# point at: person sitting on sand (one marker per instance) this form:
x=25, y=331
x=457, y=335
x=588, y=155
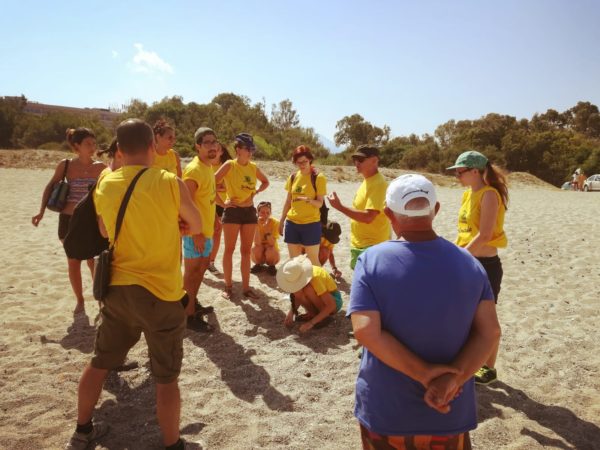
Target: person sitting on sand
x=81, y=172
x=312, y=288
x=265, y=249
x=330, y=235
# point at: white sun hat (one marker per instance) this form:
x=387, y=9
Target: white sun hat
x=294, y=274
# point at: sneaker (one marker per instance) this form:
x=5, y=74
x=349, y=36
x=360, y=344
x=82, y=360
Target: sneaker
x=211, y=268
x=485, y=375
x=196, y=323
x=256, y=268
x=272, y=270
x=80, y=441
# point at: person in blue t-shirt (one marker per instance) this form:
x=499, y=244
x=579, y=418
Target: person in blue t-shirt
x=424, y=311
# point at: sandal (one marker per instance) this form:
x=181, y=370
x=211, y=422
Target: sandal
x=227, y=294
x=251, y=294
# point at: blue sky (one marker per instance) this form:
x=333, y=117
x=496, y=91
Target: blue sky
x=411, y=65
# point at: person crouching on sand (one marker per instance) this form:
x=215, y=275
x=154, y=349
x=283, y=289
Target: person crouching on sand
x=312, y=288
x=265, y=249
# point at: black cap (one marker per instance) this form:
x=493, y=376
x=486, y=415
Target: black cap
x=332, y=232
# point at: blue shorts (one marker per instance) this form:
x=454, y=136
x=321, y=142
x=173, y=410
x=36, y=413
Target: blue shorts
x=189, y=251
x=338, y=300
x=306, y=234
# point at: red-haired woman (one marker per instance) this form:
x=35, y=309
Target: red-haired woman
x=300, y=221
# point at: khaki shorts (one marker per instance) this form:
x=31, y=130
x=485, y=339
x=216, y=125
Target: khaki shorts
x=127, y=312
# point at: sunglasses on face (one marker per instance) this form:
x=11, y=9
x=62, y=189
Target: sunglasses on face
x=459, y=173
x=209, y=143
x=359, y=159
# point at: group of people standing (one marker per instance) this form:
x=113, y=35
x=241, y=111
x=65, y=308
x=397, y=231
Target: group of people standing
x=215, y=193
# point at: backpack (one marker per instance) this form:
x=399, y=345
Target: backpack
x=324, y=210
x=83, y=240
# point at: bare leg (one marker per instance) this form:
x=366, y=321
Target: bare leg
x=246, y=238
x=491, y=361
x=294, y=250
x=271, y=256
x=258, y=254
x=312, y=251
x=216, y=239
x=168, y=411
x=90, y=387
x=76, y=284
x=309, y=307
x=90, y=264
x=323, y=255
x=192, y=279
x=230, y=233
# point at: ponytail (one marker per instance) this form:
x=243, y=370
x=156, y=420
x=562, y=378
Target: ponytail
x=494, y=176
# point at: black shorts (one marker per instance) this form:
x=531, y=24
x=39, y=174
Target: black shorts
x=219, y=211
x=240, y=216
x=63, y=225
x=493, y=268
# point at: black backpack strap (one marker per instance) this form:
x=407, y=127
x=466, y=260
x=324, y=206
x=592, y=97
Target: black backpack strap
x=123, y=206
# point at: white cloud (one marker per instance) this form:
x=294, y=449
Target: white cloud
x=115, y=54
x=149, y=62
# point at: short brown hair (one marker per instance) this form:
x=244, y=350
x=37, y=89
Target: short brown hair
x=134, y=136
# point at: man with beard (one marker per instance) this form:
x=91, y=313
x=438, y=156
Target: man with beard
x=199, y=178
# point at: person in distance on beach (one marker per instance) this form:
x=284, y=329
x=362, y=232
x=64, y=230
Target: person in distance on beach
x=146, y=288
x=481, y=226
x=81, y=172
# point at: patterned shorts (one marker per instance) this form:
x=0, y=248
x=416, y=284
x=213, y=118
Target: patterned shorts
x=374, y=441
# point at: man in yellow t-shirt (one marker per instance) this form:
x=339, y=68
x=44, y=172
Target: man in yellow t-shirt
x=199, y=178
x=146, y=287
x=368, y=224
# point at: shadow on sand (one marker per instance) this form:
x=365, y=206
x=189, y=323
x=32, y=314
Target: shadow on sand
x=580, y=434
x=80, y=335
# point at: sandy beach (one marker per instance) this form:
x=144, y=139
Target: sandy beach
x=254, y=384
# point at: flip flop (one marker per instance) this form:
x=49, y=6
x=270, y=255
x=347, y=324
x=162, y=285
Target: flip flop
x=251, y=294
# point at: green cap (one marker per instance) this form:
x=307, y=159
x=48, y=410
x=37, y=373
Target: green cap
x=470, y=159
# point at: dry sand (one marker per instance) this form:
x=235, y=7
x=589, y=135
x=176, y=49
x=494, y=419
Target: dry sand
x=254, y=384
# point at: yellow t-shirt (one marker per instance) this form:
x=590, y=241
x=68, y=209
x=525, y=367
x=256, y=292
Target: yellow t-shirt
x=148, y=247
x=370, y=195
x=240, y=181
x=204, y=198
x=322, y=281
x=301, y=212
x=167, y=162
x=221, y=194
x=469, y=216
x=272, y=228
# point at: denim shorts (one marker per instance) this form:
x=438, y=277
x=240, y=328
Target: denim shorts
x=303, y=234
x=338, y=300
x=190, y=252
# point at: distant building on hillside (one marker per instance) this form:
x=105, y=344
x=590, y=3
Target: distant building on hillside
x=106, y=116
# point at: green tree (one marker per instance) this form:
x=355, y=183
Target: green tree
x=284, y=116
x=354, y=130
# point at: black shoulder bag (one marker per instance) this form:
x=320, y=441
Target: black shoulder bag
x=58, y=196
x=104, y=260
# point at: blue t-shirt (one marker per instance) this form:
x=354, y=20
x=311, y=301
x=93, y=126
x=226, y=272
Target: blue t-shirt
x=427, y=294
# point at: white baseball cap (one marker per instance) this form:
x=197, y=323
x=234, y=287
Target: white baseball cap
x=406, y=188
